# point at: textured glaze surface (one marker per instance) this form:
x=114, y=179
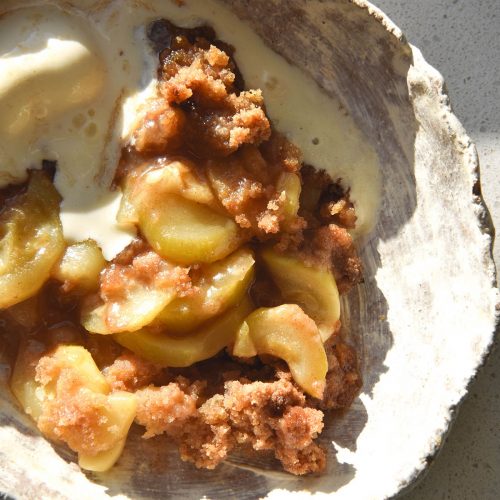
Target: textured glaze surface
x=423, y=318
x=461, y=39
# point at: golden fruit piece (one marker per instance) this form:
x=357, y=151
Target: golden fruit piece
x=148, y=284
x=118, y=416
x=22, y=382
x=218, y=287
x=158, y=180
x=32, y=240
x=187, y=232
x=287, y=333
x=127, y=212
x=104, y=460
x=139, y=308
x=76, y=358
x=180, y=352
x=243, y=344
x=289, y=184
x=115, y=415
x=313, y=289
x=80, y=266
x=31, y=394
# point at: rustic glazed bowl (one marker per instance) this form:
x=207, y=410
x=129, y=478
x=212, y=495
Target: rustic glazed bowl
x=423, y=320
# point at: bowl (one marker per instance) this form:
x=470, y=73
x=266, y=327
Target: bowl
x=422, y=321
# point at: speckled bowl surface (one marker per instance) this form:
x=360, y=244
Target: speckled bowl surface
x=422, y=321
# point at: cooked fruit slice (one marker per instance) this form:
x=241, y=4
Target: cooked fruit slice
x=243, y=344
x=187, y=232
x=113, y=412
x=180, y=352
x=43, y=398
x=22, y=382
x=104, y=460
x=116, y=416
x=159, y=179
x=31, y=240
x=127, y=212
x=289, y=184
x=313, y=289
x=175, y=177
x=77, y=359
x=287, y=333
x=140, y=308
x=80, y=266
x=217, y=286
x=131, y=296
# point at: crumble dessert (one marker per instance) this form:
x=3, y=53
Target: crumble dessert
x=219, y=325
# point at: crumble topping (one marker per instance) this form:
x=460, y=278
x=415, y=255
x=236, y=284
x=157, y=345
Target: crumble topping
x=216, y=138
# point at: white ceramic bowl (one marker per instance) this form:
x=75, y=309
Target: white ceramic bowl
x=423, y=320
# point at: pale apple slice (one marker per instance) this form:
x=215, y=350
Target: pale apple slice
x=312, y=288
x=186, y=232
x=289, y=334
x=217, y=287
x=80, y=266
x=178, y=352
x=31, y=240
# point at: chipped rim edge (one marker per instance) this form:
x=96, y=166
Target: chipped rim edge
x=484, y=223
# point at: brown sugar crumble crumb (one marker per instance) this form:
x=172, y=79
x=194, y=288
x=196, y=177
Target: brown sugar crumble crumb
x=146, y=268
x=129, y=372
x=333, y=247
x=198, y=107
x=343, y=381
x=266, y=416
x=245, y=184
x=167, y=408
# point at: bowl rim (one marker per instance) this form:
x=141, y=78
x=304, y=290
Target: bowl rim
x=483, y=219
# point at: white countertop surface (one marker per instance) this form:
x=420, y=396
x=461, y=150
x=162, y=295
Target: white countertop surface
x=461, y=38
